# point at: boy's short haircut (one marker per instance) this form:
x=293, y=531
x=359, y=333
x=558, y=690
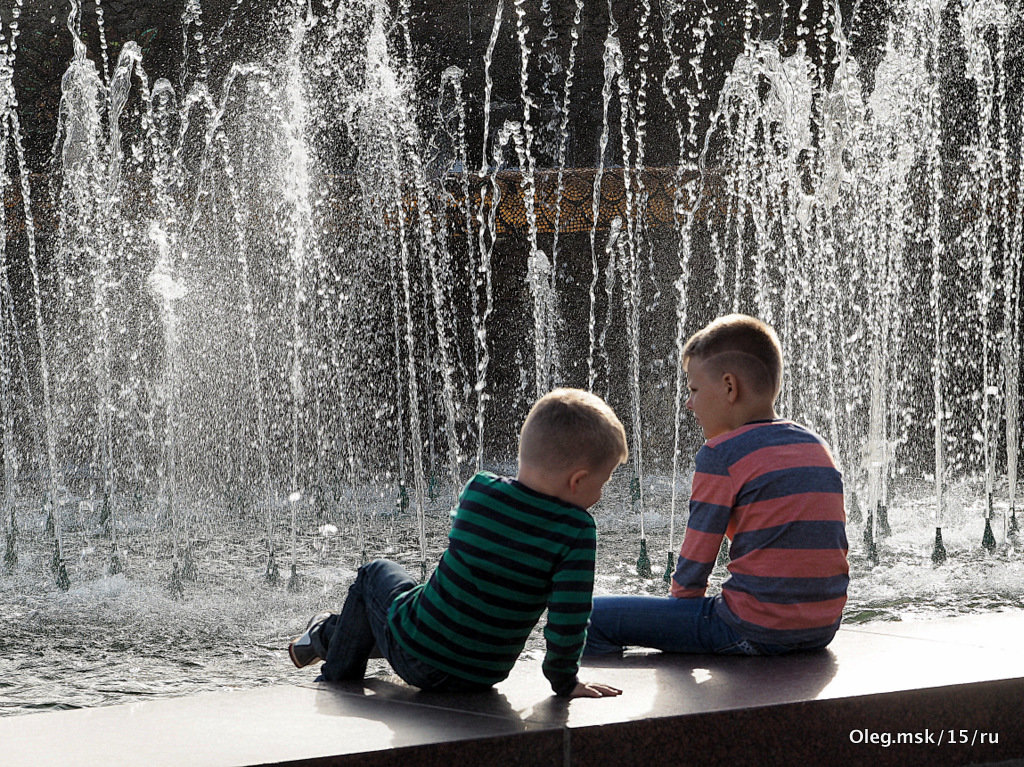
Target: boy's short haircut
x=741, y=342
x=572, y=427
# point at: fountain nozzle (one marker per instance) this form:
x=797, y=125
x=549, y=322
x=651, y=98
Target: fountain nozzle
x=939, y=551
x=643, y=562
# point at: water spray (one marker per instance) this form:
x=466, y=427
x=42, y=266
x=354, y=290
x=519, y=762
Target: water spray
x=612, y=67
x=936, y=197
x=643, y=562
x=293, y=577
x=8, y=506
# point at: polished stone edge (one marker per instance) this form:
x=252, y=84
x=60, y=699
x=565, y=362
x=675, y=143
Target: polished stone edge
x=546, y=748
x=847, y=731
x=824, y=731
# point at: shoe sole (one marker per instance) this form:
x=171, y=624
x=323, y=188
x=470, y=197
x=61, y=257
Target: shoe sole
x=295, y=658
x=296, y=661
x=291, y=645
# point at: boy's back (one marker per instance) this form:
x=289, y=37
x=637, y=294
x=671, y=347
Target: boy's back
x=516, y=547
x=512, y=552
x=773, y=488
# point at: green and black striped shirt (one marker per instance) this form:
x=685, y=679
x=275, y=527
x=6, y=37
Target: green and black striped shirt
x=512, y=552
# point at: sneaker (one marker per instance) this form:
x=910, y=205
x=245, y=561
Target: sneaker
x=300, y=649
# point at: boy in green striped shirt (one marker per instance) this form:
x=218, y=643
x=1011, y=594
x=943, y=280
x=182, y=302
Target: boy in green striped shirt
x=516, y=547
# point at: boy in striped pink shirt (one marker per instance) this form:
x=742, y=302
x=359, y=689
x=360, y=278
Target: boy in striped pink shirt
x=767, y=484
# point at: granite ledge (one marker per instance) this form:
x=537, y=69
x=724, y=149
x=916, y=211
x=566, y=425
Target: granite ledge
x=928, y=679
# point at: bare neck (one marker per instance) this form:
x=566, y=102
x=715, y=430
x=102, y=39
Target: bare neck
x=538, y=480
x=755, y=410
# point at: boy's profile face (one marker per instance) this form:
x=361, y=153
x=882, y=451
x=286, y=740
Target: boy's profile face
x=708, y=398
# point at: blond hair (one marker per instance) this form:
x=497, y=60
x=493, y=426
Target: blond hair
x=741, y=344
x=567, y=428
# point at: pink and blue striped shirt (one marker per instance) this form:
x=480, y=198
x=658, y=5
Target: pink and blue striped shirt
x=773, y=489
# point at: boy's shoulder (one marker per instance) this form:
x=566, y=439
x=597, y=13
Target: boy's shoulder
x=487, y=478
x=727, y=448
x=493, y=488
x=493, y=484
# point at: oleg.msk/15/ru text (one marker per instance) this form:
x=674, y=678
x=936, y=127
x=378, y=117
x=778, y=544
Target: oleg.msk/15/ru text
x=923, y=737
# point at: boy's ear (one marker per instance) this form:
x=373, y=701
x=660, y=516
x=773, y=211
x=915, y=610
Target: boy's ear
x=576, y=477
x=730, y=384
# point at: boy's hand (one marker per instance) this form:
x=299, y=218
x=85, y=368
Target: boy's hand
x=594, y=690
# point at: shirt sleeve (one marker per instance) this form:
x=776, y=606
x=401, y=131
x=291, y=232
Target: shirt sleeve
x=711, y=501
x=569, y=609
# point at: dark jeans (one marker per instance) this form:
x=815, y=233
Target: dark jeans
x=668, y=624
x=346, y=640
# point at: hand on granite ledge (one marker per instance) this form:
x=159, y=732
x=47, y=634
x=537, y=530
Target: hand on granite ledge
x=594, y=690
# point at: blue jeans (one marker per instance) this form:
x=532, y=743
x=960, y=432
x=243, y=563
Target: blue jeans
x=346, y=640
x=668, y=624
